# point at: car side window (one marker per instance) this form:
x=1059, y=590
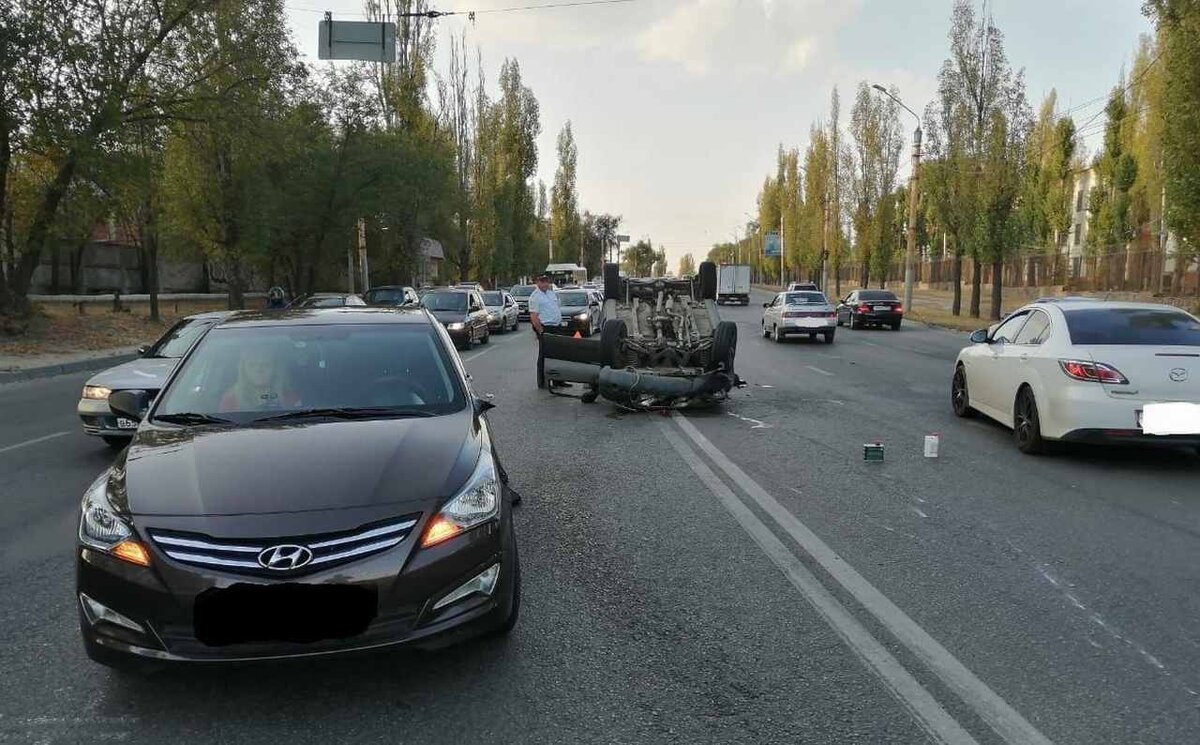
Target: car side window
x=1036, y=330
x=1007, y=331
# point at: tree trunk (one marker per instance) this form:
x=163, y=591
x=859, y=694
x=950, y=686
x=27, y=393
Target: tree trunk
x=997, y=289
x=956, y=305
x=55, y=256
x=1177, y=275
x=150, y=248
x=976, y=286
x=75, y=259
x=39, y=229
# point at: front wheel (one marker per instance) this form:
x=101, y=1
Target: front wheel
x=1027, y=425
x=487, y=335
x=960, y=398
x=116, y=443
x=853, y=323
x=839, y=319
x=765, y=332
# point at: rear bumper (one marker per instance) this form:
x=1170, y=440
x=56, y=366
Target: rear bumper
x=882, y=317
x=1129, y=437
x=807, y=325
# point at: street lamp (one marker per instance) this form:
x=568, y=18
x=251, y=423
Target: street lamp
x=910, y=254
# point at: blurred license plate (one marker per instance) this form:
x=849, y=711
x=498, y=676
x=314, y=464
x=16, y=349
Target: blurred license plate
x=123, y=423
x=882, y=307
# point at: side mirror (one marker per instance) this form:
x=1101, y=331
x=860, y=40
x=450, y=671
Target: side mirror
x=141, y=351
x=130, y=404
x=484, y=405
x=766, y=305
x=979, y=337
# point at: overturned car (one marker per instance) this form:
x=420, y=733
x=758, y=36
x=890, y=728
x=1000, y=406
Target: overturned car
x=662, y=345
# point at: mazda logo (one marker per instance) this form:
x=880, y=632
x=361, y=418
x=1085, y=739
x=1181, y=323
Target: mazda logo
x=285, y=557
x=1178, y=374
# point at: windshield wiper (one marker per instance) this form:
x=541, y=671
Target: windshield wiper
x=368, y=412
x=191, y=417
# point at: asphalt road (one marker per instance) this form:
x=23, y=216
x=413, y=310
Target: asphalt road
x=738, y=575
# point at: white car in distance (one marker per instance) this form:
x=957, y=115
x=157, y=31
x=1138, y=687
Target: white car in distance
x=1081, y=370
x=805, y=312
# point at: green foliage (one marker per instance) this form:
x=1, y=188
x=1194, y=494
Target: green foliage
x=638, y=260
x=566, y=229
x=687, y=265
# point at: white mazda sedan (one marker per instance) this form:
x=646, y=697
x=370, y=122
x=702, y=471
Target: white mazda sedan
x=1083, y=370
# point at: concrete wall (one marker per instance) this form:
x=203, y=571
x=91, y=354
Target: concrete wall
x=109, y=266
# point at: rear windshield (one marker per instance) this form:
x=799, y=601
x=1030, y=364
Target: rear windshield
x=876, y=295
x=572, y=298
x=445, y=301
x=385, y=296
x=806, y=298
x=522, y=290
x=493, y=298
x=1149, y=326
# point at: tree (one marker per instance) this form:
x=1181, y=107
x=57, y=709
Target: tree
x=565, y=226
x=1109, y=225
x=1178, y=23
x=639, y=259
x=660, y=263
x=975, y=83
x=875, y=161
x=599, y=235
x=687, y=265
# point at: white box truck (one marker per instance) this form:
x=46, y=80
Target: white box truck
x=733, y=284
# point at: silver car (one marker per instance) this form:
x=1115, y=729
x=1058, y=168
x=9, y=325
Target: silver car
x=146, y=373
x=803, y=312
x=502, y=310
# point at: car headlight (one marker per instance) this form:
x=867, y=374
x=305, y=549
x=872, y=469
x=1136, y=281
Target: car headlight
x=491, y=316
x=456, y=326
x=581, y=317
x=98, y=392
x=101, y=528
x=476, y=503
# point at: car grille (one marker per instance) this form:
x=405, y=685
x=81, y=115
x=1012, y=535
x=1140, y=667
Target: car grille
x=241, y=555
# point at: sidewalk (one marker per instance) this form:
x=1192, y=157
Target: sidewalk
x=15, y=367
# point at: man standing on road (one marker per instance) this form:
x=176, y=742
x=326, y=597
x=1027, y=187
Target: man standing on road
x=545, y=316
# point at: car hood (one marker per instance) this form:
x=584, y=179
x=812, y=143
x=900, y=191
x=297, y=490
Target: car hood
x=143, y=372
x=291, y=467
x=573, y=309
x=449, y=316
x=494, y=308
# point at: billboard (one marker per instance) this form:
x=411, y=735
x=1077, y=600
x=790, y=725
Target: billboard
x=771, y=245
x=357, y=40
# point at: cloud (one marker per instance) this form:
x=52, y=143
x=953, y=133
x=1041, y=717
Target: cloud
x=709, y=36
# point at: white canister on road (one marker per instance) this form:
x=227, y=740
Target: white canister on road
x=932, y=443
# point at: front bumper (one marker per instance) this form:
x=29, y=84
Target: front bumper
x=407, y=582
x=522, y=311
x=99, y=420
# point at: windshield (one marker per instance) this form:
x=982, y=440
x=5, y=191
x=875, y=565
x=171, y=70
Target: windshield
x=244, y=374
x=445, y=301
x=385, y=296
x=1142, y=326
x=522, y=290
x=876, y=295
x=806, y=298
x=493, y=298
x=176, y=342
x=572, y=298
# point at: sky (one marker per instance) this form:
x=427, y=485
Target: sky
x=678, y=106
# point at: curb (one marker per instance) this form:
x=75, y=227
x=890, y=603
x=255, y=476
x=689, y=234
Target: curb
x=49, y=371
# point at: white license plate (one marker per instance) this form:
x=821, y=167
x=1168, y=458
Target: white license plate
x=882, y=307
x=123, y=423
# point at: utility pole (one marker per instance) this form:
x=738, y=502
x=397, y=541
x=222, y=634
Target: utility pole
x=782, y=251
x=910, y=254
x=364, y=270
x=824, y=239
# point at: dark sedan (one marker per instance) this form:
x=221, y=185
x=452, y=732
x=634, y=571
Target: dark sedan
x=863, y=308
x=462, y=312
x=305, y=484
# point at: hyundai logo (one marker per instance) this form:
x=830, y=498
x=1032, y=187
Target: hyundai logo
x=285, y=557
x=1178, y=374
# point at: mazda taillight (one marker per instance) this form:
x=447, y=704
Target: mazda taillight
x=1092, y=372
x=792, y=314
x=864, y=308
x=898, y=308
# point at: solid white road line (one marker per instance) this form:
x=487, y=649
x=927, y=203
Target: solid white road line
x=480, y=353
x=819, y=370
x=925, y=710
x=34, y=441
x=1005, y=720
